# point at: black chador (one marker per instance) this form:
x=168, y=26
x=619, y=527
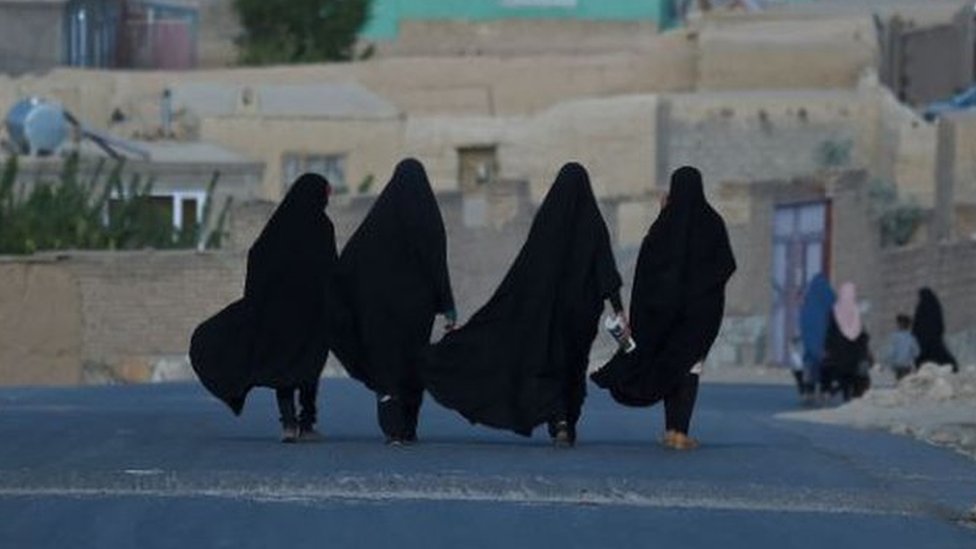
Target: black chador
x=676, y=306
x=929, y=329
x=521, y=360
x=277, y=335
x=393, y=280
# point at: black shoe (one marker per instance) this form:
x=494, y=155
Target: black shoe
x=309, y=434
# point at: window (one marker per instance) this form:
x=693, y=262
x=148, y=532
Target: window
x=329, y=166
x=185, y=208
x=477, y=166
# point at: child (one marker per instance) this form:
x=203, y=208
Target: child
x=902, y=348
x=796, y=365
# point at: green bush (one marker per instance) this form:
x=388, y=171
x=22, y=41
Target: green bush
x=834, y=153
x=898, y=219
x=102, y=213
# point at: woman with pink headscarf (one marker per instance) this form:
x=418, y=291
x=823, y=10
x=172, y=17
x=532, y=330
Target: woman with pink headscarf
x=847, y=358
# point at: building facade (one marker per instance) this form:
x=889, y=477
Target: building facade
x=388, y=15
x=38, y=35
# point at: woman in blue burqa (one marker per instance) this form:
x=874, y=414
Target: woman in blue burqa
x=814, y=320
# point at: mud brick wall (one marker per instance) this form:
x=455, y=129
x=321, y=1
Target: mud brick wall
x=950, y=270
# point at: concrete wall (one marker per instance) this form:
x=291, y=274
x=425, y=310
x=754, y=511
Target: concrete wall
x=950, y=270
x=143, y=304
x=782, y=134
x=818, y=54
x=40, y=324
x=963, y=129
x=915, y=163
x=632, y=142
x=483, y=86
x=813, y=53
x=764, y=135
x=31, y=35
x=904, y=145
x=615, y=137
x=218, y=28
x=371, y=147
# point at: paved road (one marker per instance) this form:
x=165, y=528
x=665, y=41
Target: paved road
x=166, y=466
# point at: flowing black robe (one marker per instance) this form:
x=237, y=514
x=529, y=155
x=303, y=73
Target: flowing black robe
x=843, y=356
x=929, y=329
x=277, y=335
x=678, y=299
x=392, y=280
x=521, y=360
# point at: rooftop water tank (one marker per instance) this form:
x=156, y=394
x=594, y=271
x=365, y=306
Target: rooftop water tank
x=36, y=126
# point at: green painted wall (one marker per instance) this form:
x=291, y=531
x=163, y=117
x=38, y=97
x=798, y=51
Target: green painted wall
x=388, y=13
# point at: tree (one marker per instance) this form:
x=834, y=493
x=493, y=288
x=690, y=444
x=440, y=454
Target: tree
x=300, y=31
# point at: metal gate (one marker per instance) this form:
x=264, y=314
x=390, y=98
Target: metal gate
x=801, y=234
x=923, y=62
x=138, y=34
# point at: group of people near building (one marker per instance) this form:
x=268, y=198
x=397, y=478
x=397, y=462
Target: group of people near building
x=520, y=361
x=833, y=355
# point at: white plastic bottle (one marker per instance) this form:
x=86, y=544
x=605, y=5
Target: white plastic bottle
x=617, y=328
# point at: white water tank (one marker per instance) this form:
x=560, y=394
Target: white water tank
x=36, y=127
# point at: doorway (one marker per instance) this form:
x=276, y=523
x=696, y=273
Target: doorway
x=801, y=237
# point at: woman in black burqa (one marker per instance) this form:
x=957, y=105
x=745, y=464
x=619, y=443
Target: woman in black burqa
x=676, y=307
x=847, y=352
x=277, y=335
x=521, y=360
x=929, y=329
x=393, y=280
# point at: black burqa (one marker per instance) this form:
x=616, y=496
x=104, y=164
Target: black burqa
x=928, y=327
x=393, y=280
x=277, y=335
x=678, y=299
x=844, y=360
x=521, y=359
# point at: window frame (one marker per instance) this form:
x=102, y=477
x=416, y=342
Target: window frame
x=176, y=198
x=303, y=161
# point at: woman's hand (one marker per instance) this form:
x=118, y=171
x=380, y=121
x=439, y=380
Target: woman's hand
x=450, y=318
x=626, y=323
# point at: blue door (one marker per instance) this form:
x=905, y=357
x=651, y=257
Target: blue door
x=800, y=252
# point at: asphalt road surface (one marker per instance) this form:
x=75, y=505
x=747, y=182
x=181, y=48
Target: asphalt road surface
x=168, y=466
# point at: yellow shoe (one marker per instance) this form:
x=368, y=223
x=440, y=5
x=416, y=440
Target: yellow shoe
x=681, y=441
x=668, y=438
